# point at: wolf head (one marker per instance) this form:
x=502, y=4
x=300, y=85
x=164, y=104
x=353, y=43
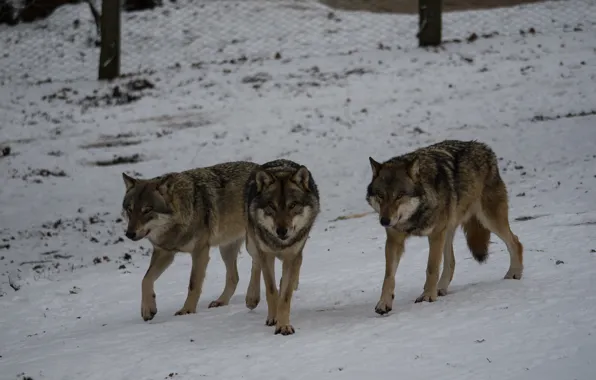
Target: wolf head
x=285, y=203
x=393, y=191
x=145, y=206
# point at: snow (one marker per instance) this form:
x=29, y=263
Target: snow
x=531, y=97
x=189, y=32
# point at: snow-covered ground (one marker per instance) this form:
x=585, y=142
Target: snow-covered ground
x=192, y=32
x=76, y=313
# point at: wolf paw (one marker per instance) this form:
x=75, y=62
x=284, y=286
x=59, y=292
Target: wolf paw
x=252, y=302
x=271, y=321
x=284, y=329
x=216, y=303
x=148, y=308
x=148, y=311
x=185, y=311
x=513, y=274
x=442, y=292
x=427, y=297
x=383, y=307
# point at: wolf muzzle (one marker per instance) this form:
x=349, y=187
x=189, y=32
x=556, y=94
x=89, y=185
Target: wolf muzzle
x=282, y=233
x=132, y=235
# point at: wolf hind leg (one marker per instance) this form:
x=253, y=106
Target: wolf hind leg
x=253, y=291
x=495, y=216
x=200, y=259
x=436, y=243
x=448, y=262
x=229, y=255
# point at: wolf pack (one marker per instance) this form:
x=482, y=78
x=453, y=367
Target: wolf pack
x=272, y=208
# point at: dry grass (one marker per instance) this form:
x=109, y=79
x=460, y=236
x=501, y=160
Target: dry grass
x=411, y=6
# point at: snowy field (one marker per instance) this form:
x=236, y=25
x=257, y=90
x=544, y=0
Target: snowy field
x=70, y=282
x=196, y=32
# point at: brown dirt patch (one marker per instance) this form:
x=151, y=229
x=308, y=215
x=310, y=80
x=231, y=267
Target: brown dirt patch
x=180, y=121
x=111, y=143
x=120, y=160
x=411, y=6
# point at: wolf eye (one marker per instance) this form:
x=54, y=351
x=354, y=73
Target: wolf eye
x=146, y=210
x=380, y=197
x=271, y=206
x=128, y=209
x=292, y=205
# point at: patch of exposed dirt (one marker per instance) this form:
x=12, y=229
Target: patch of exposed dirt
x=259, y=78
x=566, y=116
x=120, y=160
x=102, y=229
x=5, y=151
x=125, y=93
x=181, y=121
x=315, y=77
x=351, y=216
x=586, y=223
x=475, y=37
x=411, y=6
x=116, y=97
x=525, y=218
x=110, y=143
x=36, y=175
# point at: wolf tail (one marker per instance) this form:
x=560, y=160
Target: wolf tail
x=478, y=238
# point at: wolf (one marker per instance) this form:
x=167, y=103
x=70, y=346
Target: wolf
x=281, y=202
x=431, y=192
x=189, y=211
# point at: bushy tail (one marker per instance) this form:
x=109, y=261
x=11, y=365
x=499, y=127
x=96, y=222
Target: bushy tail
x=478, y=238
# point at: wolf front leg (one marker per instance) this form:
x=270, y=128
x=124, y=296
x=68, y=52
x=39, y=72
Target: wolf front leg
x=394, y=249
x=436, y=243
x=291, y=271
x=200, y=259
x=268, y=269
x=297, y=277
x=160, y=261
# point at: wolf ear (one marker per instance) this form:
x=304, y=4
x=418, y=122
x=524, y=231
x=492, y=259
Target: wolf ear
x=375, y=166
x=164, y=188
x=129, y=182
x=164, y=185
x=302, y=178
x=414, y=169
x=263, y=179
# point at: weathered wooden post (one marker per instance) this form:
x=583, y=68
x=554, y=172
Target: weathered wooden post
x=109, y=57
x=430, y=22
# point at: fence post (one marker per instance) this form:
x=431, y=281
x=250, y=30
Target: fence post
x=430, y=22
x=109, y=57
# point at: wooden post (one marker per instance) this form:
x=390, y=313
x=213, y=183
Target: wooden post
x=430, y=22
x=109, y=57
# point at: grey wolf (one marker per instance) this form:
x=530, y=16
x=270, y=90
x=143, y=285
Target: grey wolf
x=281, y=205
x=189, y=211
x=431, y=192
